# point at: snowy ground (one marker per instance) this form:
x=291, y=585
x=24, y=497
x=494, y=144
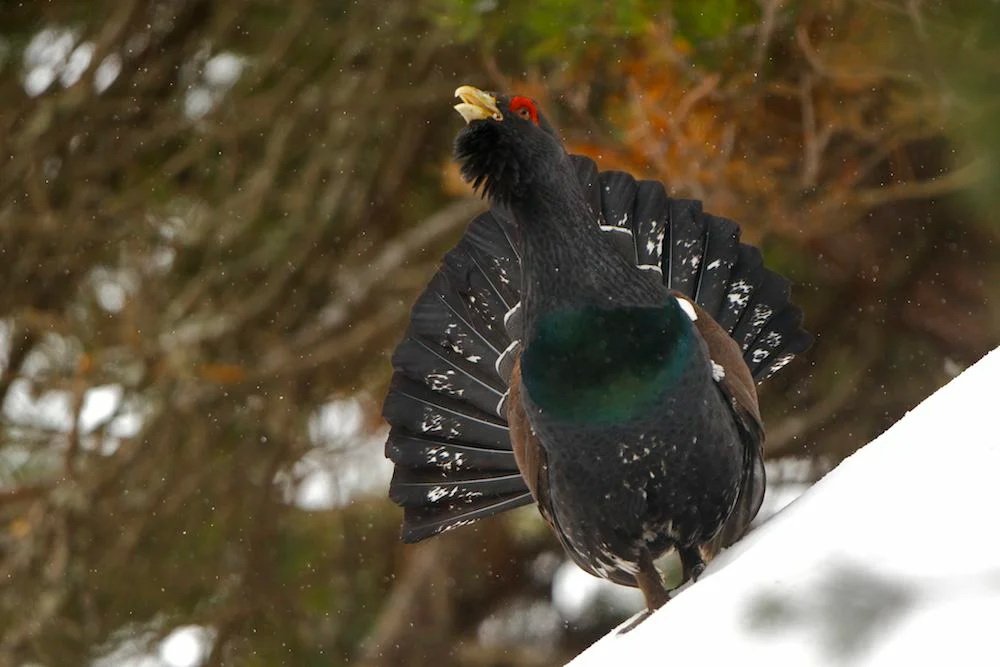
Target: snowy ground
x=892, y=559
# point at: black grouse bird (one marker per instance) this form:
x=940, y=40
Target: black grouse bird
x=591, y=345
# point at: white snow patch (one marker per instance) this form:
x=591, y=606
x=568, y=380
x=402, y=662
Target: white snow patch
x=45, y=58
x=220, y=73
x=184, y=646
x=224, y=69
x=102, y=407
x=345, y=462
x=574, y=593
x=888, y=560
x=107, y=72
x=187, y=646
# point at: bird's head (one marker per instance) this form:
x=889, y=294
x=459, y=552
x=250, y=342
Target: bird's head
x=507, y=144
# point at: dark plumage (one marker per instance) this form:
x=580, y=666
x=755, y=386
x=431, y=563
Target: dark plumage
x=590, y=344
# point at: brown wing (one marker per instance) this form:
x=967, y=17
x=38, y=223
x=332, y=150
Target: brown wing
x=737, y=383
x=528, y=451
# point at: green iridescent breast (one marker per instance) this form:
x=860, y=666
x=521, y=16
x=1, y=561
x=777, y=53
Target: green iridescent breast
x=596, y=365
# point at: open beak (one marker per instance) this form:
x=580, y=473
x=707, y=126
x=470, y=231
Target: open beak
x=476, y=104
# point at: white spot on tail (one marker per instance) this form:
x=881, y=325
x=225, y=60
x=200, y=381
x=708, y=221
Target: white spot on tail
x=439, y=492
x=739, y=293
x=457, y=524
x=654, y=244
x=614, y=228
x=779, y=363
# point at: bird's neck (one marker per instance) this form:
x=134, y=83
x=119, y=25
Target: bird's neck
x=566, y=261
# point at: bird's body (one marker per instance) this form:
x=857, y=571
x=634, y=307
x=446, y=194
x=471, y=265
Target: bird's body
x=607, y=380
x=622, y=484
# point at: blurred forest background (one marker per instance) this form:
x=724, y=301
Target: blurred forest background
x=214, y=216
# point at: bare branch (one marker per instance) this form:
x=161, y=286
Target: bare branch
x=957, y=180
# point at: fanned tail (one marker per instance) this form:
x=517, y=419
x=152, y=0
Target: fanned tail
x=446, y=404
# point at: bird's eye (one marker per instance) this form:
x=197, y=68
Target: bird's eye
x=525, y=108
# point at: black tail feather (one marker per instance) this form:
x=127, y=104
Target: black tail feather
x=426, y=521
x=649, y=223
x=490, y=239
x=746, y=276
x=721, y=248
x=781, y=338
x=411, y=488
x=450, y=373
x=772, y=293
x=686, y=236
x=421, y=410
x=422, y=453
x=465, y=326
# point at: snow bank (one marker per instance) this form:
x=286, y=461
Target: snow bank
x=893, y=558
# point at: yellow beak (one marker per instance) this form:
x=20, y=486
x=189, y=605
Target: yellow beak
x=476, y=104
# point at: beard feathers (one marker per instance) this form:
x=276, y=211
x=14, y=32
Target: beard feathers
x=487, y=164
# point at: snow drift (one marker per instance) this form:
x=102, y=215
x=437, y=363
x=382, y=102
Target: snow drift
x=893, y=558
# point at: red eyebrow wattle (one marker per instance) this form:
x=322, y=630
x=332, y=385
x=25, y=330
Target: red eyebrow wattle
x=519, y=102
